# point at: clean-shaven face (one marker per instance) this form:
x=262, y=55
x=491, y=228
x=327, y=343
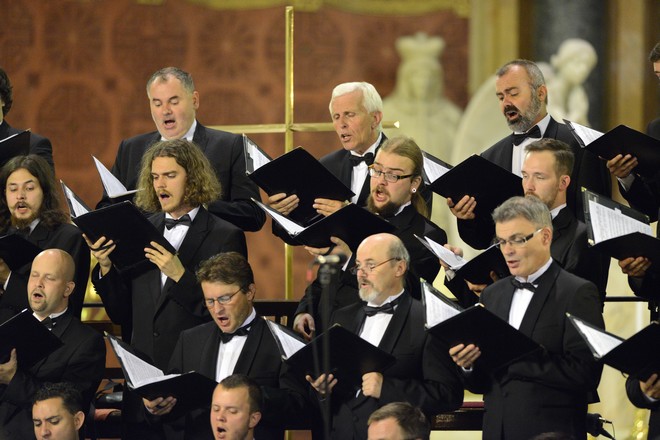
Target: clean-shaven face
x=47, y=286
x=230, y=414
x=355, y=126
x=540, y=179
x=52, y=421
x=231, y=315
x=526, y=259
x=173, y=108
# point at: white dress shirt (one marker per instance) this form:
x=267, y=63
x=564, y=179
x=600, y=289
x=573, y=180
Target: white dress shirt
x=361, y=171
x=522, y=297
x=229, y=352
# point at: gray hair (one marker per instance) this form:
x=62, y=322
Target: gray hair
x=531, y=209
x=166, y=72
x=398, y=250
x=534, y=73
x=371, y=100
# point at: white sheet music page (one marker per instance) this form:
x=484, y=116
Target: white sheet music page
x=437, y=310
x=292, y=228
x=588, y=135
x=454, y=261
x=77, y=208
x=257, y=157
x=601, y=342
x=433, y=169
x=288, y=343
x=609, y=223
x=113, y=187
x=139, y=372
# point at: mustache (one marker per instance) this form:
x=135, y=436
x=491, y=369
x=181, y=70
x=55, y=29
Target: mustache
x=511, y=108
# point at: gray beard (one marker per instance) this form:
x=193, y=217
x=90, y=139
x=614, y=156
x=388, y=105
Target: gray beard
x=526, y=120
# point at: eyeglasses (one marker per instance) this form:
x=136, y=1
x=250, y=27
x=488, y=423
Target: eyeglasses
x=369, y=267
x=389, y=177
x=224, y=299
x=517, y=241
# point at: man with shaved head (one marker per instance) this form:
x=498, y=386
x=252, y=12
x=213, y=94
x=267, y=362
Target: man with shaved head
x=80, y=360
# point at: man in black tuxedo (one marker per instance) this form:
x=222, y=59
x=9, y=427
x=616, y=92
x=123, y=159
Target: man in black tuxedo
x=80, y=360
x=549, y=389
x=356, y=110
x=643, y=193
x=162, y=301
x=31, y=207
x=393, y=321
x=238, y=341
x=546, y=174
x=174, y=103
x=39, y=145
x=396, y=182
x=521, y=90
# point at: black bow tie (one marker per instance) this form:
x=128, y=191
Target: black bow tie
x=243, y=331
x=535, y=133
x=183, y=220
x=50, y=323
x=385, y=308
x=356, y=160
x=520, y=285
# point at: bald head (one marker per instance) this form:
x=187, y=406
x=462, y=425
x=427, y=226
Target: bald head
x=383, y=261
x=50, y=282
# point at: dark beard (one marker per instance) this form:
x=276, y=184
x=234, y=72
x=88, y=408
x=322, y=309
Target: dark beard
x=23, y=223
x=387, y=211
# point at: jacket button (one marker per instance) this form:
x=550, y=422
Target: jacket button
x=156, y=334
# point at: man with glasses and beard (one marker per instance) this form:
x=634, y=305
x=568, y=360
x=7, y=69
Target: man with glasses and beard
x=395, y=181
x=521, y=90
x=422, y=375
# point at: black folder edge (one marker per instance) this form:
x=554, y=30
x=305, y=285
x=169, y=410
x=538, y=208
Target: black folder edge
x=356, y=219
x=66, y=190
x=192, y=389
x=431, y=158
x=634, y=244
x=472, y=270
x=347, y=351
x=472, y=177
x=278, y=342
x=16, y=145
x=249, y=166
x=312, y=181
x=16, y=251
x=428, y=287
x=511, y=346
x=627, y=356
x=642, y=146
x=37, y=342
x=87, y=224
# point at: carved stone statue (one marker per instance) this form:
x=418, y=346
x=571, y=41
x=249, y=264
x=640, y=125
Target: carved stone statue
x=571, y=65
x=418, y=100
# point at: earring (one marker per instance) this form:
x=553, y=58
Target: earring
x=414, y=190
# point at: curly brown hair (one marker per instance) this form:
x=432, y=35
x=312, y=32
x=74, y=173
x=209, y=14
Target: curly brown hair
x=202, y=185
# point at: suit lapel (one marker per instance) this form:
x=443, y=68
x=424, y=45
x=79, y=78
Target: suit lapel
x=251, y=346
x=366, y=187
x=395, y=326
x=58, y=330
x=40, y=235
x=545, y=283
x=153, y=276
x=502, y=303
x=209, y=357
x=199, y=137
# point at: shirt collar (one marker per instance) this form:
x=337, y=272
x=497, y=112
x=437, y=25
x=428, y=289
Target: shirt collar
x=189, y=134
x=52, y=315
x=555, y=212
x=536, y=275
x=388, y=300
x=192, y=213
x=542, y=124
x=371, y=149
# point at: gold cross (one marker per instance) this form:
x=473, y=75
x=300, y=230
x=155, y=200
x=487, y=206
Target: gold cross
x=288, y=128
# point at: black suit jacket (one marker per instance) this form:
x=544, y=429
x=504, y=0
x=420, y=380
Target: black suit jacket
x=197, y=350
x=549, y=390
x=39, y=145
x=66, y=237
x=81, y=361
x=225, y=152
x=644, y=196
x=157, y=316
x=588, y=171
x=423, y=373
x=423, y=263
